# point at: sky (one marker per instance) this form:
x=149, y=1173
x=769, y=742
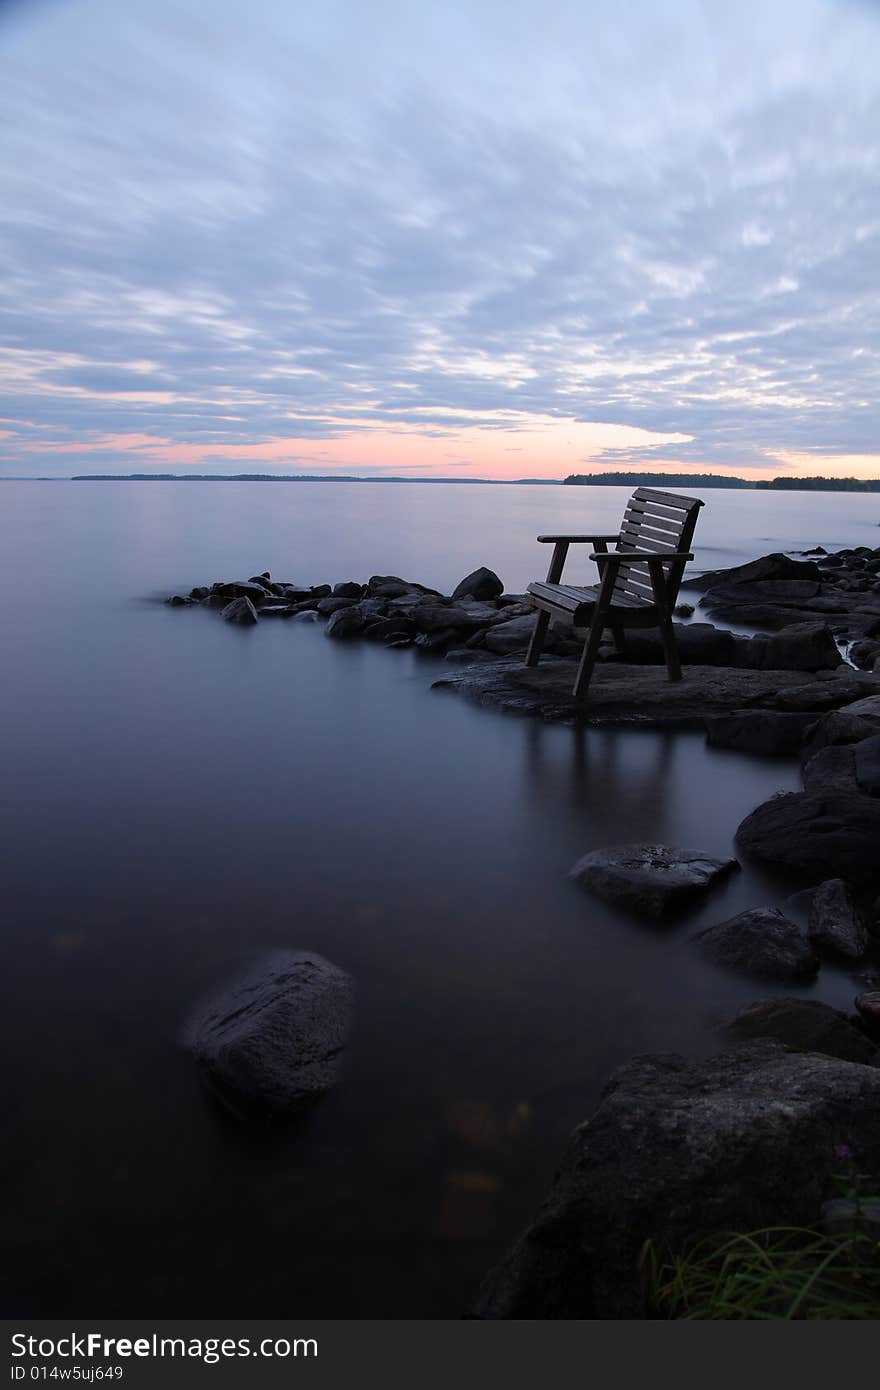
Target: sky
x=473, y=238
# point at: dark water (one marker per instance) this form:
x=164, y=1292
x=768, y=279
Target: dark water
x=178, y=796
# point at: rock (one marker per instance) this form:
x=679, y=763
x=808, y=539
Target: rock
x=822, y=696
x=178, y=601
x=438, y=640
x=699, y=644
x=390, y=631
x=349, y=589
x=654, y=880
x=770, y=733
x=683, y=610
x=678, y=1150
x=263, y=579
x=819, y=834
x=832, y=769
x=345, y=622
x=272, y=1040
x=805, y=1025
x=307, y=615
x=868, y=1009
x=433, y=617
x=512, y=636
x=241, y=611
x=326, y=606
x=391, y=586
x=277, y=610
x=199, y=592
x=834, y=925
x=768, y=567
x=801, y=647
x=239, y=588
x=866, y=755
x=762, y=942
x=842, y=726
x=482, y=584
x=295, y=593
x=864, y=653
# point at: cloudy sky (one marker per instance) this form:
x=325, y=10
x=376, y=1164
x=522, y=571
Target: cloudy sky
x=486, y=238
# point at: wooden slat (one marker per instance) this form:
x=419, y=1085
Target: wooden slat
x=643, y=540
x=660, y=510
x=634, y=517
x=668, y=499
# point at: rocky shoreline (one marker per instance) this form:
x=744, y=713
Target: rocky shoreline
x=676, y=1148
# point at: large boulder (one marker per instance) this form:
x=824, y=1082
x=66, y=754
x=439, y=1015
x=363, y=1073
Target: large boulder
x=680, y=1149
x=240, y=611
x=868, y=1009
x=761, y=942
x=481, y=584
x=806, y=646
x=241, y=588
x=434, y=617
x=806, y=1025
x=835, y=926
x=272, y=1040
x=866, y=757
x=769, y=567
x=653, y=880
x=345, y=622
x=818, y=834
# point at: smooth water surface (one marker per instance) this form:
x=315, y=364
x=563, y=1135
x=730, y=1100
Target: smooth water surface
x=179, y=795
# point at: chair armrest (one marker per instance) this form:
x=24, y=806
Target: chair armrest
x=576, y=540
x=642, y=555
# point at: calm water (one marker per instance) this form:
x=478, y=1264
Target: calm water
x=178, y=796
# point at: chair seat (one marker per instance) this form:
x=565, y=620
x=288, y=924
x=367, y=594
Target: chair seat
x=577, y=602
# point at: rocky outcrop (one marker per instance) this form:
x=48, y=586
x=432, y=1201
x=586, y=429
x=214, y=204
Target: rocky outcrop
x=653, y=880
x=762, y=942
x=272, y=1041
x=677, y=1150
x=769, y=733
x=805, y=1025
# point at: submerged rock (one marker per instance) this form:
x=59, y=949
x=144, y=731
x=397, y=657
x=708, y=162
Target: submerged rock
x=806, y=1025
x=677, y=1150
x=762, y=942
x=650, y=879
x=241, y=611
x=771, y=733
x=272, y=1041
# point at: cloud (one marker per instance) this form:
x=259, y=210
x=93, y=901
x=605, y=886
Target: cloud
x=414, y=229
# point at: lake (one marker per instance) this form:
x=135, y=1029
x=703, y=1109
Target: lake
x=179, y=796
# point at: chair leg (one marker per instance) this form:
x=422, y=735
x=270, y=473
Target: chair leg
x=670, y=649
x=588, y=660
x=536, y=646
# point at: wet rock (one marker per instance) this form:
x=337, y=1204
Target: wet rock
x=392, y=586
x=199, y=592
x=677, y=1150
x=178, y=601
x=481, y=584
x=868, y=1010
x=308, y=615
x=239, y=588
x=349, y=589
x=805, y=1025
x=390, y=631
x=832, y=769
x=240, y=611
x=345, y=623
x=329, y=605
x=277, y=610
x=653, y=880
x=864, y=653
x=683, y=610
x=438, y=640
x=272, y=1041
x=818, y=834
x=845, y=725
x=296, y=593
x=769, y=733
x=699, y=644
x=761, y=942
x=834, y=925
x=511, y=636
x=264, y=579
x=434, y=617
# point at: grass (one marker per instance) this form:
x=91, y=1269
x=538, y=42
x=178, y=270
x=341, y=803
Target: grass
x=781, y=1273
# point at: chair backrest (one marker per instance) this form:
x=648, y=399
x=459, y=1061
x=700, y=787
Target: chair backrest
x=659, y=522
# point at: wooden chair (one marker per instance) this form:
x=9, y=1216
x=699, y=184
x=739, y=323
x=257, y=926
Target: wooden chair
x=638, y=581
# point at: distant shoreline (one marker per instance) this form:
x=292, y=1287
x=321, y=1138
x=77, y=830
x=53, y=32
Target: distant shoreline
x=631, y=480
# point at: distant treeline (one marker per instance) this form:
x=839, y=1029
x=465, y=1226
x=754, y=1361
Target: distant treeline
x=657, y=480
x=702, y=480
x=823, y=484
